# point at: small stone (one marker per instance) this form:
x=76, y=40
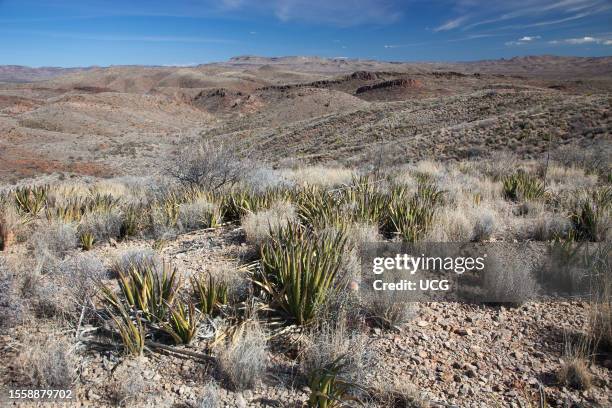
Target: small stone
x=464, y=331
x=422, y=323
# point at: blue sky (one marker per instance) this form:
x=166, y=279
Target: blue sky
x=185, y=32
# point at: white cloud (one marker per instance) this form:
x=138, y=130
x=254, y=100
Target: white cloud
x=582, y=40
x=452, y=24
x=523, y=40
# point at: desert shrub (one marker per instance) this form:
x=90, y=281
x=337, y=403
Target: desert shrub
x=411, y=217
x=334, y=340
x=364, y=200
x=327, y=390
x=206, y=164
x=484, y=225
x=137, y=256
x=258, y=225
x=13, y=308
x=51, y=242
x=134, y=220
x=210, y=397
x=49, y=298
x=600, y=316
x=522, y=186
x=264, y=179
x=360, y=233
x=9, y=223
x=508, y=282
x=601, y=324
x=299, y=270
x=594, y=158
x=244, y=360
x=102, y=225
x=129, y=384
x=81, y=274
x=198, y=214
x=47, y=363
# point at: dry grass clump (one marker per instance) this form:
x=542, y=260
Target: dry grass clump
x=129, y=384
x=13, y=308
x=81, y=274
x=333, y=341
x=243, y=361
x=258, y=225
x=550, y=226
x=574, y=371
x=54, y=239
x=485, y=224
x=451, y=225
x=560, y=178
x=320, y=176
x=198, y=214
x=508, y=281
x=102, y=225
x=47, y=363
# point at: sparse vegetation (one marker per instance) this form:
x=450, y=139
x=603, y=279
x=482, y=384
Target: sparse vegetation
x=244, y=360
x=276, y=308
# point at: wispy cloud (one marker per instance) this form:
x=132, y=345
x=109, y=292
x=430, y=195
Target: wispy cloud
x=524, y=13
x=342, y=13
x=582, y=40
x=523, y=40
x=452, y=24
x=120, y=37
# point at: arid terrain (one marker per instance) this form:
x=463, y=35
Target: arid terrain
x=191, y=236
x=117, y=120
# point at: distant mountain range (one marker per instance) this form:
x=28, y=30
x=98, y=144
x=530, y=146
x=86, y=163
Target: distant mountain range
x=530, y=65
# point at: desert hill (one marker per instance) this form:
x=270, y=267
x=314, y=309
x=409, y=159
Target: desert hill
x=121, y=118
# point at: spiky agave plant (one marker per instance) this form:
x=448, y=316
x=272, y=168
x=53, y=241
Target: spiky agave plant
x=590, y=217
x=365, y=200
x=410, y=219
x=87, y=240
x=327, y=389
x=183, y=323
x=522, y=186
x=147, y=287
x=319, y=209
x=210, y=294
x=131, y=330
x=31, y=200
x=299, y=269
